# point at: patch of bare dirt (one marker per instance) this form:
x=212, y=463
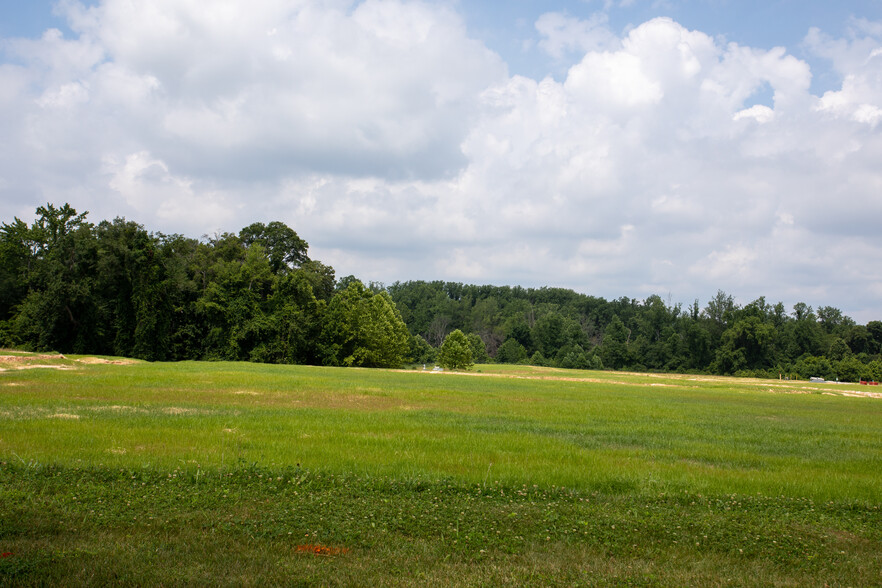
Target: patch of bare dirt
x=791, y=389
x=117, y=408
x=774, y=388
x=19, y=359
x=51, y=366
x=178, y=410
x=540, y=377
x=861, y=394
x=12, y=360
x=99, y=360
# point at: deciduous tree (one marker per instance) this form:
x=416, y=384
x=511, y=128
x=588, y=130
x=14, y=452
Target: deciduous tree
x=456, y=353
x=361, y=328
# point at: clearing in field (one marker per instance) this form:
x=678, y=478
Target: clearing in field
x=130, y=472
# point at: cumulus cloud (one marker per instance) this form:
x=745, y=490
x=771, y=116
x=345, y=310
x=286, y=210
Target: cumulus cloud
x=382, y=87
x=563, y=34
x=650, y=164
x=663, y=161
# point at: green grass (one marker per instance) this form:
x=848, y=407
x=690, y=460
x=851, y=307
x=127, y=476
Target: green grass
x=510, y=476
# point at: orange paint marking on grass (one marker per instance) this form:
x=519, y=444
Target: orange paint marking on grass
x=321, y=549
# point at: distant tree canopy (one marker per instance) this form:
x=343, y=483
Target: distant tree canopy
x=562, y=328
x=113, y=288
x=116, y=289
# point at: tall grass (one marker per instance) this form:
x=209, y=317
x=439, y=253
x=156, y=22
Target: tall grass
x=235, y=474
x=575, y=429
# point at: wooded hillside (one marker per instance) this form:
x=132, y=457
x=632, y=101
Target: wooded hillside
x=114, y=288
x=562, y=328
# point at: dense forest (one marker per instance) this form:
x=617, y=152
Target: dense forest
x=114, y=288
x=562, y=328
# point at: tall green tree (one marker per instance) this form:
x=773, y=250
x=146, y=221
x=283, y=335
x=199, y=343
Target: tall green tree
x=285, y=250
x=745, y=345
x=478, y=347
x=361, y=328
x=874, y=337
x=60, y=311
x=421, y=351
x=803, y=335
x=18, y=254
x=511, y=351
x=456, y=353
x=614, y=349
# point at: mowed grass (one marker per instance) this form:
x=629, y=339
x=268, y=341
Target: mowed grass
x=230, y=473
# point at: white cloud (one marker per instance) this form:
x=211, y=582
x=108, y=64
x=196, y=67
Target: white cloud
x=563, y=34
x=148, y=187
x=734, y=261
x=758, y=112
x=858, y=59
x=381, y=87
x=398, y=146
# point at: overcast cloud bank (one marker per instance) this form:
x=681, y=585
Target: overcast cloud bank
x=664, y=162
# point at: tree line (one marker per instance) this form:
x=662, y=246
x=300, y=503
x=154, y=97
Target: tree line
x=562, y=328
x=113, y=288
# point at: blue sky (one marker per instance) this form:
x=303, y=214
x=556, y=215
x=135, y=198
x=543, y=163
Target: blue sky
x=616, y=147
x=507, y=26
x=27, y=18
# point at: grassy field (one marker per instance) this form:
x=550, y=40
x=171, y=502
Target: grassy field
x=243, y=474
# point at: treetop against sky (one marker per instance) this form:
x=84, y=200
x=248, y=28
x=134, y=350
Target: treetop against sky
x=614, y=147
